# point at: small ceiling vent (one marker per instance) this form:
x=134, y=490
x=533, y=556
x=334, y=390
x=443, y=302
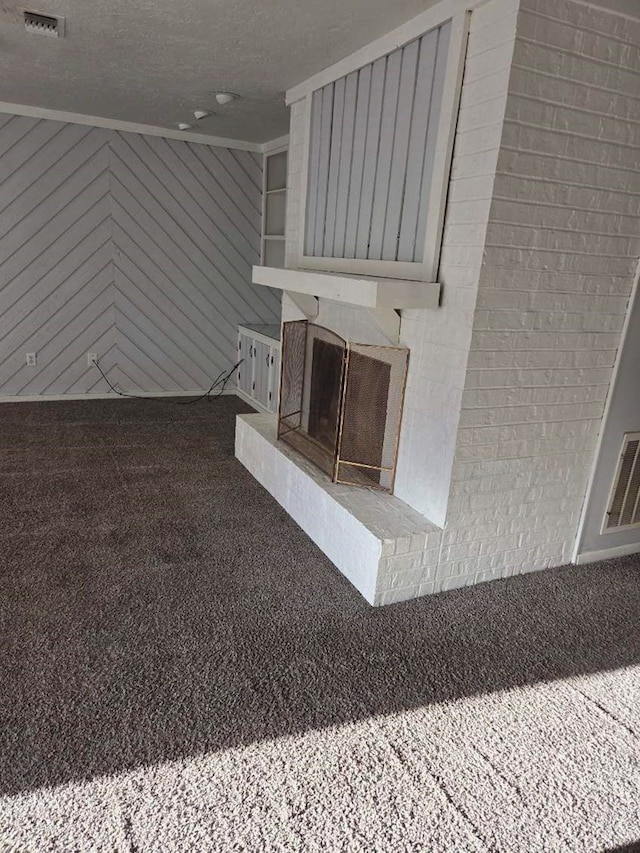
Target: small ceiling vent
x=624, y=504
x=44, y=25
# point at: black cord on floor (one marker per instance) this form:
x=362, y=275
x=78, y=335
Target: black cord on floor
x=221, y=378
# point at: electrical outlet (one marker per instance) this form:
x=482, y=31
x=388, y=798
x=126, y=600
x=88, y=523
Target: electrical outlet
x=31, y=359
x=92, y=358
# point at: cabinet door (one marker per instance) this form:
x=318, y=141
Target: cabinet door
x=261, y=373
x=245, y=371
x=274, y=378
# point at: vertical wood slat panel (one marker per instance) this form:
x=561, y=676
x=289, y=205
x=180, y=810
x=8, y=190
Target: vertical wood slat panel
x=334, y=166
x=429, y=148
x=372, y=153
x=378, y=73
x=357, y=165
x=314, y=170
x=385, y=153
x=415, y=156
x=324, y=142
x=398, y=172
x=346, y=163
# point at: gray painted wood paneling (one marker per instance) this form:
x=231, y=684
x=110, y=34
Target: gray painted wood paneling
x=136, y=248
x=371, y=155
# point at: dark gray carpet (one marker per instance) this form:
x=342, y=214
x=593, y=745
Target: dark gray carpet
x=182, y=670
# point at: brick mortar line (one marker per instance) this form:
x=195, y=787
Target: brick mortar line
x=535, y=13
x=492, y=266
x=532, y=151
x=525, y=423
x=540, y=180
x=570, y=134
x=565, y=51
x=572, y=107
x=511, y=223
x=630, y=256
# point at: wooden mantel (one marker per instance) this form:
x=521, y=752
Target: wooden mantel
x=362, y=290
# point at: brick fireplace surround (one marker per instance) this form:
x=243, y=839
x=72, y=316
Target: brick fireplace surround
x=508, y=378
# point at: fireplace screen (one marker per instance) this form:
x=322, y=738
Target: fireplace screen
x=341, y=403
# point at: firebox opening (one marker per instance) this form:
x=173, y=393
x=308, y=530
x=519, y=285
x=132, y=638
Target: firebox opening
x=341, y=403
x=326, y=390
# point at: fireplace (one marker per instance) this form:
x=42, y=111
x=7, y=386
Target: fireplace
x=341, y=403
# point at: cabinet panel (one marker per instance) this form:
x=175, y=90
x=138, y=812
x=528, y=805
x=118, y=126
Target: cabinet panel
x=245, y=371
x=261, y=372
x=258, y=377
x=274, y=379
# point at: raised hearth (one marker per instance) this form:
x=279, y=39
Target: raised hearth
x=386, y=549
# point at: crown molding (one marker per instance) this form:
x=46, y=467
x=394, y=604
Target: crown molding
x=130, y=127
x=278, y=144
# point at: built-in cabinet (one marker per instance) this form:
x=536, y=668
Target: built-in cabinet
x=274, y=208
x=259, y=371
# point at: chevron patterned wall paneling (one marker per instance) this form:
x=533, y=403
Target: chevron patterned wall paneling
x=134, y=247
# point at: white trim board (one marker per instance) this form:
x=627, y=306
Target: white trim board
x=607, y=553
x=275, y=145
x=52, y=398
x=133, y=127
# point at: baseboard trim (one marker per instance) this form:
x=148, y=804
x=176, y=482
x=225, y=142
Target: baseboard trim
x=607, y=553
x=48, y=398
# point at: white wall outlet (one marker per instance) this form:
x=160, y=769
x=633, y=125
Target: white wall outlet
x=92, y=358
x=31, y=359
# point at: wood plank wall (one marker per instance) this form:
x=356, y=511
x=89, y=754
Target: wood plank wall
x=137, y=248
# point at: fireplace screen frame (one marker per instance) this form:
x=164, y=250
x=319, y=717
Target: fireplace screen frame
x=360, y=452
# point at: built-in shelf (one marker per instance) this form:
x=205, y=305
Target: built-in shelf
x=363, y=290
x=274, y=207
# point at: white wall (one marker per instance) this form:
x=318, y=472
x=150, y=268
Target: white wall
x=136, y=248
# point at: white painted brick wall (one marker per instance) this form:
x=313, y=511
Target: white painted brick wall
x=508, y=378
x=439, y=339
x=561, y=249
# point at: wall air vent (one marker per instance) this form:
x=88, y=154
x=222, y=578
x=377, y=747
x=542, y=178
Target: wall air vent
x=624, y=504
x=44, y=25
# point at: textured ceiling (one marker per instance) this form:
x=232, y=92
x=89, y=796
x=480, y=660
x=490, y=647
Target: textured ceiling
x=155, y=61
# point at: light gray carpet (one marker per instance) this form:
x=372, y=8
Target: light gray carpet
x=182, y=670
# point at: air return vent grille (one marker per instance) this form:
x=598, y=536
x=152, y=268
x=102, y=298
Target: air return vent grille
x=44, y=25
x=624, y=506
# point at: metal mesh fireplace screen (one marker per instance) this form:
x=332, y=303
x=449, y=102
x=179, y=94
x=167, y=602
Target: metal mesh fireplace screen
x=341, y=403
